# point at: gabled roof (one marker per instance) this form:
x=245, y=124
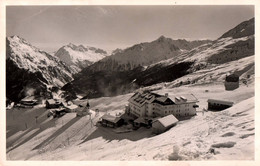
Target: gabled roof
x=167, y=120
x=163, y=101
x=141, y=98
x=162, y=98
x=52, y=101
x=220, y=102
x=110, y=118
x=28, y=98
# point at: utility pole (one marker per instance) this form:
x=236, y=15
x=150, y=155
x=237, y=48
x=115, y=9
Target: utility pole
x=87, y=104
x=13, y=113
x=91, y=122
x=36, y=117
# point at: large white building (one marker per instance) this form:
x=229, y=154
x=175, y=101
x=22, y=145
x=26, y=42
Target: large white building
x=147, y=104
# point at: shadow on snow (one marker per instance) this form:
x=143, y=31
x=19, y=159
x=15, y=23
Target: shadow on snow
x=110, y=135
x=57, y=133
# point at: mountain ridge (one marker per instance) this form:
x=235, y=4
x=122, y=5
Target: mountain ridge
x=80, y=56
x=28, y=67
x=246, y=28
x=127, y=77
x=146, y=53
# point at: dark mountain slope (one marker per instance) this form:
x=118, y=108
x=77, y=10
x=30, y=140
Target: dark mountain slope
x=145, y=54
x=110, y=77
x=246, y=28
x=111, y=83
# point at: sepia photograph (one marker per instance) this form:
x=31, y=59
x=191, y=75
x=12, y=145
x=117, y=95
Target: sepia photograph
x=130, y=82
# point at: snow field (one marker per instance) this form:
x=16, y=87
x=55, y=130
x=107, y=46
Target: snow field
x=75, y=138
x=90, y=55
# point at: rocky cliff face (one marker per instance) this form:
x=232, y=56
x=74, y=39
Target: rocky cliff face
x=29, y=68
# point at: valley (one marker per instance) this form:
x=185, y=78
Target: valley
x=56, y=102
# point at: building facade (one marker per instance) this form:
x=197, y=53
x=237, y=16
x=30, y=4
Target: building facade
x=147, y=104
x=218, y=105
x=111, y=121
x=162, y=124
x=232, y=82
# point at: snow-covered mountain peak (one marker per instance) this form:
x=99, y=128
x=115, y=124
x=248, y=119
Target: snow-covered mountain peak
x=25, y=55
x=80, y=56
x=163, y=39
x=17, y=40
x=14, y=37
x=30, y=67
x=28, y=57
x=116, y=51
x=71, y=45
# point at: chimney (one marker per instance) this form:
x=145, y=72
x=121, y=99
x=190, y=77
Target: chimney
x=166, y=94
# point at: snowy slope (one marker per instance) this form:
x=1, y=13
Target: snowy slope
x=216, y=73
x=230, y=133
x=246, y=28
x=25, y=55
x=203, y=53
x=113, y=75
x=146, y=53
x=165, y=60
x=30, y=66
x=237, y=43
x=80, y=56
x=33, y=59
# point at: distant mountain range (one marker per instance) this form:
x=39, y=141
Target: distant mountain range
x=92, y=72
x=168, y=60
x=145, y=54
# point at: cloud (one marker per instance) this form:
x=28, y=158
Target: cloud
x=106, y=11
x=35, y=14
x=103, y=10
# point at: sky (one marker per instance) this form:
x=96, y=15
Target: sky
x=111, y=27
